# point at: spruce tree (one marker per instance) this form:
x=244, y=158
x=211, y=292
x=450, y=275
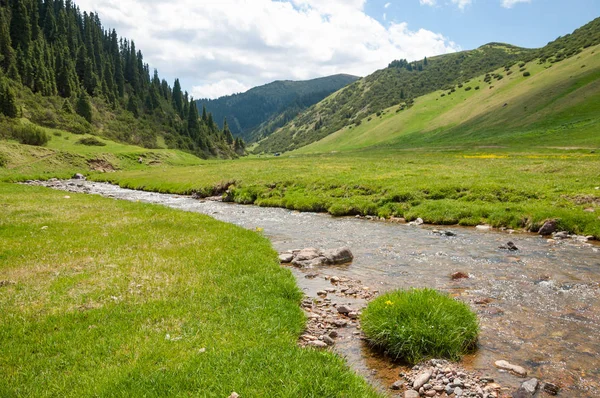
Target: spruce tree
x=8, y=102
x=132, y=106
x=84, y=106
x=227, y=132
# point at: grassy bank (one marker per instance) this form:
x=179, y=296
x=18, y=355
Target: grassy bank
x=65, y=155
x=511, y=189
x=121, y=299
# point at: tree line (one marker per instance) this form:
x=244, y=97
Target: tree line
x=53, y=49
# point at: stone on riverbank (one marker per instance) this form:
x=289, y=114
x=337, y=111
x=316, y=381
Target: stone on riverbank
x=548, y=228
x=512, y=368
x=311, y=257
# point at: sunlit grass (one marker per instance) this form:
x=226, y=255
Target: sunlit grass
x=119, y=299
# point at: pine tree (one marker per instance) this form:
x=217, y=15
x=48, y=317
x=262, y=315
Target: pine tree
x=193, y=124
x=178, y=98
x=132, y=106
x=8, y=102
x=84, y=106
x=67, y=107
x=20, y=25
x=227, y=132
x=7, y=54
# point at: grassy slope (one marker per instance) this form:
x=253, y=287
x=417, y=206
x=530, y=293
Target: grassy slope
x=119, y=299
x=63, y=157
x=555, y=106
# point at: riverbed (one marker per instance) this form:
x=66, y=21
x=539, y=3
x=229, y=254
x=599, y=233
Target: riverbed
x=539, y=306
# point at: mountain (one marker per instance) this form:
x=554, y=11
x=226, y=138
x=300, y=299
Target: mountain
x=535, y=105
x=60, y=68
x=261, y=110
x=402, y=83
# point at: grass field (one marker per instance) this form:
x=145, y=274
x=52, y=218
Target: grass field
x=63, y=156
x=511, y=189
x=117, y=299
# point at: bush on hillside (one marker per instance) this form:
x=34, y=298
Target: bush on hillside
x=3, y=160
x=526, y=74
x=420, y=323
x=90, y=141
x=468, y=88
x=30, y=134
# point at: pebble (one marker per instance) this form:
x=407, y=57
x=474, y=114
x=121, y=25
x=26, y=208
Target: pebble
x=411, y=394
x=421, y=379
x=328, y=340
x=510, y=367
x=317, y=344
x=397, y=385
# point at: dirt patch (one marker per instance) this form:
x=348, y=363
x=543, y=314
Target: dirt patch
x=585, y=200
x=101, y=165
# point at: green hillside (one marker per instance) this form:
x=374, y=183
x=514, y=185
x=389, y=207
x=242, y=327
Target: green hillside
x=402, y=83
x=61, y=68
x=261, y=110
x=557, y=104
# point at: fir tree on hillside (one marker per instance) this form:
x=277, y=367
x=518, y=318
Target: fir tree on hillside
x=51, y=48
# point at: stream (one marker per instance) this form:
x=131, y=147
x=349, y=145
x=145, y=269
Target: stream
x=541, y=303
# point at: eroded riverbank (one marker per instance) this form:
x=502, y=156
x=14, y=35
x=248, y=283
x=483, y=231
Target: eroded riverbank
x=538, y=306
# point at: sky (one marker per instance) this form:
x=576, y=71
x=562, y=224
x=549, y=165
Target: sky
x=221, y=47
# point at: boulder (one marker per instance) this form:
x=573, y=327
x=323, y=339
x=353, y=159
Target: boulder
x=548, y=228
x=411, y=394
x=78, y=176
x=286, y=258
x=341, y=255
x=307, y=254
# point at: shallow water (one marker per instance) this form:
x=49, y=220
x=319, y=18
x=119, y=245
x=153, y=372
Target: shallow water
x=544, y=312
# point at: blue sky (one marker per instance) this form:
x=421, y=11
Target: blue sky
x=527, y=24
x=223, y=47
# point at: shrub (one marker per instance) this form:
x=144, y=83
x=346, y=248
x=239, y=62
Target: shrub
x=3, y=160
x=526, y=74
x=443, y=95
x=90, y=141
x=420, y=323
x=468, y=88
x=476, y=87
x=30, y=134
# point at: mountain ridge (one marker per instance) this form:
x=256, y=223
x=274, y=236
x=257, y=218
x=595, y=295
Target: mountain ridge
x=250, y=113
x=402, y=81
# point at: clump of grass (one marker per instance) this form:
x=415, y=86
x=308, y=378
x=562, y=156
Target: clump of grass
x=29, y=134
x=91, y=141
x=420, y=323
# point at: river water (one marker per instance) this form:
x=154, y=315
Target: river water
x=543, y=301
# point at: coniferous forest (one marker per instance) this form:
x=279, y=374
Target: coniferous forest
x=60, y=68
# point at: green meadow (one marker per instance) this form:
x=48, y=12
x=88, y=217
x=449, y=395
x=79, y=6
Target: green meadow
x=116, y=299
x=504, y=189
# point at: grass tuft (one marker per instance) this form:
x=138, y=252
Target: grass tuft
x=421, y=323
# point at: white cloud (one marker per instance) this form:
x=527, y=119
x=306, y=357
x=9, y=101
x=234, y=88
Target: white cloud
x=219, y=48
x=427, y=2
x=219, y=89
x=462, y=3
x=387, y=5
x=511, y=3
